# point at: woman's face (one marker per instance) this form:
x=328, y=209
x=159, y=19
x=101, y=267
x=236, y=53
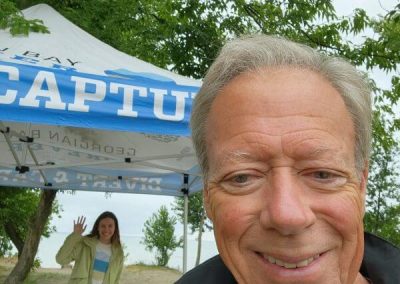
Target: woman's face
x=106, y=230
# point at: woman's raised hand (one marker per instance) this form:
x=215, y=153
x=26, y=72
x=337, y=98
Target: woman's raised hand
x=79, y=225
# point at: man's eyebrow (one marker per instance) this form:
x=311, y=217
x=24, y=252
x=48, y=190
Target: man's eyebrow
x=235, y=156
x=324, y=151
x=314, y=152
x=311, y=152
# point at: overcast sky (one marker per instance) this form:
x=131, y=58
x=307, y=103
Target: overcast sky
x=133, y=210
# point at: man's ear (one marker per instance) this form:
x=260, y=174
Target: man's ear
x=363, y=185
x=364, y=179
x=206, y=201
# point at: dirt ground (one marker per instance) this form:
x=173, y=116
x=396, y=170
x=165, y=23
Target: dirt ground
x=132, y=274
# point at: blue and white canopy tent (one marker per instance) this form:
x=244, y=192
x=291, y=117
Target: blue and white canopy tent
x=78, y=114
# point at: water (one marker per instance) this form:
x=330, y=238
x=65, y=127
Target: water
x=134, y=250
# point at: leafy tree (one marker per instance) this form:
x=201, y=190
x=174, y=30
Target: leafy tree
x=383, y=200
x=184, y=36
x=17, y=205
x=159, y=234
x=197, y=218
x=36, y=226
x=12, y=18
x=172, y=34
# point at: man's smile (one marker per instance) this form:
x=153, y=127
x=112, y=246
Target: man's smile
x=290, y=265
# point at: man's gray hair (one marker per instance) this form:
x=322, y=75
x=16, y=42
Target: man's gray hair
x=252, y=53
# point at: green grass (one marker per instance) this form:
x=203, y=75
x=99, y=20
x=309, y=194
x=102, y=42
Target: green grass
x=3, y=273
x=36, y=277
x=144, y=266
x=169, y=275
x=45, y=278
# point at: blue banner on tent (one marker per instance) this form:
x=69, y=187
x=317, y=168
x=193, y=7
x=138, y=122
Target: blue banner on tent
x=66, y=179
x=63, y=96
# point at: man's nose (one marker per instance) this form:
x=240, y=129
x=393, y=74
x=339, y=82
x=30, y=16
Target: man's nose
x=287, y=203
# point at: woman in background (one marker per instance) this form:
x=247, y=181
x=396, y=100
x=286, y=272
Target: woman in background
x=98, y=256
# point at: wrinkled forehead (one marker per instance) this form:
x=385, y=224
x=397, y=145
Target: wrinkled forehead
x=278, y=92
x=290, y=103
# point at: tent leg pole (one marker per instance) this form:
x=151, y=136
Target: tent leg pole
x=185, y=246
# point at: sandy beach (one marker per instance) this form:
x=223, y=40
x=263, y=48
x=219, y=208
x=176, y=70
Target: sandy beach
x=132, y=274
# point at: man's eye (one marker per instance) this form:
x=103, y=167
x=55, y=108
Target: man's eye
x=323, y=175
x=242, y=182
x=241, y=178
x=327, y=179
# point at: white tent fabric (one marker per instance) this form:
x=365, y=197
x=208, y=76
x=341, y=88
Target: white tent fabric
x=78, y=114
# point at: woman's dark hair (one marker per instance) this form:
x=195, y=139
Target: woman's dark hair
x=115, y=239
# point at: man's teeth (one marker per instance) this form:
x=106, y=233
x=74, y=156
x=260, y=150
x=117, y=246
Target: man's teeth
x=302, y=263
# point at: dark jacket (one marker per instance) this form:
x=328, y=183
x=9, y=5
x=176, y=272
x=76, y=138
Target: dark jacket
x=381, y=265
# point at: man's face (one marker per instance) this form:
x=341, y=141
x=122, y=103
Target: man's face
x=283, y=191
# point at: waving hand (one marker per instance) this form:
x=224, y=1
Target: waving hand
x=79, y=225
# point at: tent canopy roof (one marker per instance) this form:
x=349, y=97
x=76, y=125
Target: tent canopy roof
x=79, y=114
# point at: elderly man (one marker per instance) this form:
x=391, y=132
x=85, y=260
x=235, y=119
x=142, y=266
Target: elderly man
x=282, y=134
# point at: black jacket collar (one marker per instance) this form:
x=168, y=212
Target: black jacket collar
x=381, y=262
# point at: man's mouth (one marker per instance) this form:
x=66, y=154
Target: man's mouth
x=299, y=264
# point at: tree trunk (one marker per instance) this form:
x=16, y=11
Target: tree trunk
x=199, y=238
x=16, y=239
x=25, y=261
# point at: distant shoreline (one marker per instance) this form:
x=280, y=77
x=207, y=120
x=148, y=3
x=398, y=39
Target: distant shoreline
x=133, y=249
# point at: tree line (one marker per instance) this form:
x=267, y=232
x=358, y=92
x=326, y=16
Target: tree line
x=185, y=36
